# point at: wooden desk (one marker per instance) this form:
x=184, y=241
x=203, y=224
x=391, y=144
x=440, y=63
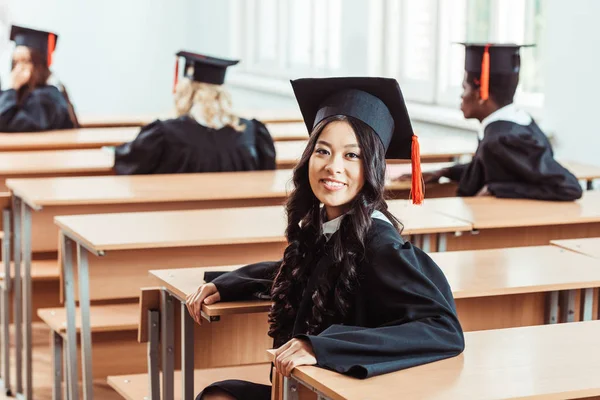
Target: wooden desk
x=516, y=363
x=583, y=172
x=589, y=247
x=512, y=222
x=33, y=164
x=493, y=289
x=131, y=244
x=68, y=139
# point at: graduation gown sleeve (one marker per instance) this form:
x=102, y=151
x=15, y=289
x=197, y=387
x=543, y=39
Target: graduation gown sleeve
x=143, y=154
x=265, y=147
x=412, y=313
x=44, y=108
x=251, y=281
x=456, y=171
x=541, y=176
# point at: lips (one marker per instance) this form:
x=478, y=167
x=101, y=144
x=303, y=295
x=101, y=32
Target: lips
x=332, y=184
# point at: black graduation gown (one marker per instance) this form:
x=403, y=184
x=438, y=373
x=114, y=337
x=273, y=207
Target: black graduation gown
x=516, y=161
x=183, y=145
x=45, y=108
x=403, y=316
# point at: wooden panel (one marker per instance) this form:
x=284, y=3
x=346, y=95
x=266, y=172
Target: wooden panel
x=510, y=363
x=589, y=247
x=149, y=301
x=103, y=318
x=523, y=236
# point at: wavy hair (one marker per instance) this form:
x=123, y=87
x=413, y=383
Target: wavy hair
x=332, y=300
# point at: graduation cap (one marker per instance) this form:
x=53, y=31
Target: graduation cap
x=203, y=68
x=44, y=42
x=492, y=58
x=378, y=102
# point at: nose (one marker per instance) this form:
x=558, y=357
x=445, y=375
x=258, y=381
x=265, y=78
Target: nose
x=335, y=165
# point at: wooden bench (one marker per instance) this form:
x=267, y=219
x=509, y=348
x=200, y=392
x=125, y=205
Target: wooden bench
x=500, y=223
x=513, y=363
x=589, y=246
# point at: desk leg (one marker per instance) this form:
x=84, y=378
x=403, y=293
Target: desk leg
x=86, y=330
x=589, y=184
x=290, y=389
x=17, y=296
x=426, y=243
x=553, y=308
x=167, y=338
x=588, y=304
x=57, y=351
x=442, y=242
x=69, y=291
x=5, y=316
x=568, y=306
x=153, y=344
x=187, y=352
x=27, y=296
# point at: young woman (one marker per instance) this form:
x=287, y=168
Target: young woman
x=207, y=136
x=514, y=158
x=350, y=294
x=30, y=103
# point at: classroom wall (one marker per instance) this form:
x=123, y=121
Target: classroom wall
x=572, y=79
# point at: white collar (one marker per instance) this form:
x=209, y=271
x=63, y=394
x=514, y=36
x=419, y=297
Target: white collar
x=507, y=113
x=331, y=227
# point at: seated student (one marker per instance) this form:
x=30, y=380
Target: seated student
x=32, y=102
x=514, y=158
x=207, y=136
x=350, y=294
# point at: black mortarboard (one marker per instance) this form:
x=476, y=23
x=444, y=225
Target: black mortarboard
x=44, y=42
x=492, y=58
x=378, y=102
x=202, y=68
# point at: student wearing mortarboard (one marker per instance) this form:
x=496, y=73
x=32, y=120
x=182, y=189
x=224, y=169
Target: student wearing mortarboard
x=32, y=102
x=350, y=294
x=207, y=136
x=514, y=158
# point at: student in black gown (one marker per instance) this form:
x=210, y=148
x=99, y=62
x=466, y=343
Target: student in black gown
x=514, y=158
x=33, y=101
x=207, y=136
x=350, y=294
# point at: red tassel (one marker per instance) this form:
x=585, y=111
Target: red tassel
x=484, y=89
x=417, y=188
x=176, y=74
x=51, y=45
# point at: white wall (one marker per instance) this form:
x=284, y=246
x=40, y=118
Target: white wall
x=572, y=81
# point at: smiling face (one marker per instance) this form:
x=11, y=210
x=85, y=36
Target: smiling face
x=335, y=168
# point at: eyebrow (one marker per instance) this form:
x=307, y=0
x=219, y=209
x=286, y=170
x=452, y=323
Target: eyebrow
x=329, y=144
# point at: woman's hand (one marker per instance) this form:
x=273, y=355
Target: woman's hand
x=483, y=192
x=206, y=294
x=20, y=76
x=428, y=177
x=294, y=353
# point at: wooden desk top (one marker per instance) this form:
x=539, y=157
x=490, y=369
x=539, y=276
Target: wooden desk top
x=589, y=247
x=287, y=131
x=60, y=161
x=582, y=171
x=68, y=139
x=40, y=192
x=473, y=273
x=490, y=212
x=497, y=364
x=234, y=225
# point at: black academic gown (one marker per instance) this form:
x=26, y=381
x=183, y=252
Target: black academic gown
x=43, y=109
x=516, y=161
x=403, y=315
x=183, y=145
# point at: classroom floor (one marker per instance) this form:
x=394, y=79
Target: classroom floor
x=42, y=367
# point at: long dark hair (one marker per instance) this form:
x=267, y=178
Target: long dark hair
x=332, y=299
x=39, y=77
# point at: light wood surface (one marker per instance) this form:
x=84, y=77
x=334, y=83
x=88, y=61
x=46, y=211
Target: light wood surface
x=149, y=300
x=135, y=387
x=500, y=364
x=48, y=163
x=490, y=212
x=589, y=246
x=41, y=270
x=68, y=139
x=581, y=170
x=103, y=318
x=238, y=225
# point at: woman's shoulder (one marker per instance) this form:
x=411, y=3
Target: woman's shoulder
x=382, y=232
x=47, y=92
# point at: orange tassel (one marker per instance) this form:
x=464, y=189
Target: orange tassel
x=417, y=189
x=484, y=89
x=176, y=74
x=51, y=45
